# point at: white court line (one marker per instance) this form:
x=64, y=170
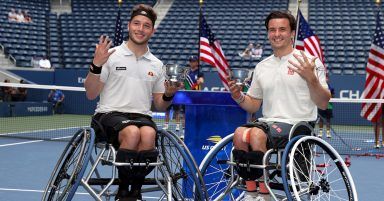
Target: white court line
x=41, y=191
x=38, y=131
x=33, y=141
x=18, y=143
x=29, y=190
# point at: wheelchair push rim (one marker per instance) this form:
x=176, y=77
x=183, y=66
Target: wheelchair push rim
x=70, y=167
x=316, y=171
x=181, y=167
x=214, y=167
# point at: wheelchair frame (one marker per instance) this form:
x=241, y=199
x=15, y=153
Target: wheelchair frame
x=176, y=174
x=281, y=172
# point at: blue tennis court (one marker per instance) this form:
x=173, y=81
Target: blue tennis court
x=26, y=166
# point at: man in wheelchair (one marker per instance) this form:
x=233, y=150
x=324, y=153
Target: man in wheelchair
x=289, y=86
x=127, y=78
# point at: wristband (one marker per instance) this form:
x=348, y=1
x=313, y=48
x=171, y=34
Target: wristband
x=240, y=99
x=166, y=98
x=95, y=69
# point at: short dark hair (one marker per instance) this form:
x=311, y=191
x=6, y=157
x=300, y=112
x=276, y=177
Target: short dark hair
x=281, y=14
x=144, y=10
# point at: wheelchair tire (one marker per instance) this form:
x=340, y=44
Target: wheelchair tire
x=70, y=167
x=315, y=172
x=181, y=167
x=217, y=174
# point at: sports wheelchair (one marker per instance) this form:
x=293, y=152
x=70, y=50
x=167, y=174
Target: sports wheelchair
x=175, y=176
x=307, y=169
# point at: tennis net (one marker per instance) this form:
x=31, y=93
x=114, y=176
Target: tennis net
x=37, y=118
x=349, y=132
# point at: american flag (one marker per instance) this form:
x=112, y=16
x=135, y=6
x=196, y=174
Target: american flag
x=374, y=82
x=306, y=40
x=211, y=52
x=118, y=31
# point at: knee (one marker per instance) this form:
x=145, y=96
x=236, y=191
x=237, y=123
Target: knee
x=238, y=135
x=258, y=135
x=147, y=138
x=131, y=133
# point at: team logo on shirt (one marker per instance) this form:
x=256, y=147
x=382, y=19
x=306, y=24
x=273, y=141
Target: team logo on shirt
x=150, y=73
x=121, y=68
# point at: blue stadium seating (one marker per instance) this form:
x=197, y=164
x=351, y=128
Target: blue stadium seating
x=234, y=24
x=25, y=40
x=345, y=29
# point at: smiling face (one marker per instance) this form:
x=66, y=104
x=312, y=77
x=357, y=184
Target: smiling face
x=140, y=30
x=280, y=33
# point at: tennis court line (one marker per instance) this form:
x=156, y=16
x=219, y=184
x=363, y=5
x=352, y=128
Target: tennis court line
x=37, y=131
x=18, y=143
x=30, y=190
x=33, y=141
x=41, y=191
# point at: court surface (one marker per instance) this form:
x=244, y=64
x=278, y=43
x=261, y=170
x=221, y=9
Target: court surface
x=26, y=165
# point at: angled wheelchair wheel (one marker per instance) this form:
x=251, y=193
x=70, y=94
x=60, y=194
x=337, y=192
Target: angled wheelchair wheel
x=187, y=182
x=313, y=170
x=220, y=181
x=70, y=167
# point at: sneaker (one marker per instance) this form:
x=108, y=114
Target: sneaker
x=329, y=134
x=253, y=196
x=165, y=126
x=177, y=127
x=320, y=134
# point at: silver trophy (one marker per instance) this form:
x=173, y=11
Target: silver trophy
x=240, y=75
x=174, y=73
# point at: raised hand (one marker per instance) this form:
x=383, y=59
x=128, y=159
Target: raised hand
x=102, y=52
x=303, y=66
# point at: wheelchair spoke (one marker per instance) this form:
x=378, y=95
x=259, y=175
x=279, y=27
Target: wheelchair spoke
x=178, y=166
x=69, y=169
x=328, y=178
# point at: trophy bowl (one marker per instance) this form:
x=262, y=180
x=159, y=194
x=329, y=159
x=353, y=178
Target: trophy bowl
x=239, y=75
x=174, y=72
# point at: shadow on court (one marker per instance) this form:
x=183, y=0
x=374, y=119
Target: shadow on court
x=25, y=167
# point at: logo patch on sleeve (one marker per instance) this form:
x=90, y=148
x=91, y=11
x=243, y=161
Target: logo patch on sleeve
x=121, y=68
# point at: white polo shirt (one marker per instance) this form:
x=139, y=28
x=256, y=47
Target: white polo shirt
x=285, y=94
x=130, y=82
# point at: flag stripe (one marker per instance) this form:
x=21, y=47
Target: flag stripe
x=307, y=41
x=374, y=82
x=212, y=53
